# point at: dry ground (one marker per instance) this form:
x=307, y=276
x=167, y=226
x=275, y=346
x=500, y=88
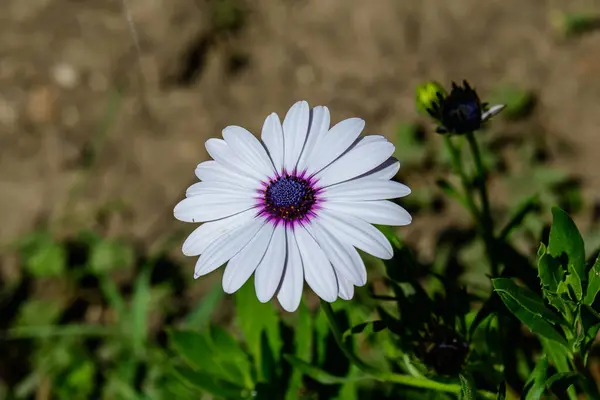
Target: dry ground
x=63, y=61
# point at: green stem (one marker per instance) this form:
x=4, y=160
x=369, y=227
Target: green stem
x=458, y=168
x=486, y=216
x=406, y=380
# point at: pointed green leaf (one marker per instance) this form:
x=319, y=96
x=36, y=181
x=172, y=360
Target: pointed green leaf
x=536, y=383
x=549, y=270
x=559, y=357
x=467, y=388
x=200, y=353
x=526, y=299
x=140, y=307
x=303, y=335
x=253, y=317
x=561, y=381
x=593, y=283
x=192, y=347
x=230, y=354
x=268, y=365
x=210, y=384
x=529, y=309
x=590, y=325
x=489, y=307
x=565, y=240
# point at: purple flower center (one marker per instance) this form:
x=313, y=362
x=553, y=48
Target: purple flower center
x=289, y=198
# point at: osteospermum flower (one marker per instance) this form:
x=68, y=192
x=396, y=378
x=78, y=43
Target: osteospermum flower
x=295, y=207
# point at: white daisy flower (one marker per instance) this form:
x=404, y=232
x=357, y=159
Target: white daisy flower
x=295, y=207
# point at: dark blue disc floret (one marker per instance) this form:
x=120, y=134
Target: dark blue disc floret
x=289, y=198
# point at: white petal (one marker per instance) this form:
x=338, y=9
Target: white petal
x=345, y=259
x=334, y=143
x=222, y=153
x=318, y=271
x=367, y=189
x=380, y=212
x=272, y=137
x=270, y=270
x=225, y=188
x=248, y=148
x=492, y=111
x=385, y=171
x=346, y=291
x=244, y=263
x=210, y=207
x=290, y=292
x=212, y=171
x=352, y=230
x=318, y=128
x=361, y=141
x=295, y=129
x=226, y=246
x=205, y=234
x=355, y=162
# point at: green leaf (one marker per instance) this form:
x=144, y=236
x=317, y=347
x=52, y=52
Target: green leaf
x=565, y=239
x=303, y=335
x=526, y=299
x=192, y=347
x=318, y=374
x=44, y=257
x=529, y=309
x=561, y=381
x=253, y=317
x=489, y=307
x=198, y=351
x=210, y=384
x=467, y=388
x=107, y=256
x=590, y=325
x=268, y=365
x=536, y=383
x=593, y=286
x=559, y=356
x=140, y=308
x=199, y=317
x=231, y=354
x=549, y=270
x=366, y=328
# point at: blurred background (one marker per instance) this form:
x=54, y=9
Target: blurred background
x=102, y=124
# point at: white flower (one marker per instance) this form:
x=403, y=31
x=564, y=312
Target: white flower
x=294, y=207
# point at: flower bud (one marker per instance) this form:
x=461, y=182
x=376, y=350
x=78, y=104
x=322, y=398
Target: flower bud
x=428, y=98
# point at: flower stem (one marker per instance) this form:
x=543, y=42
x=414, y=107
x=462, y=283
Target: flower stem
x=406, y=380
x=458, y=168
x=486, y=216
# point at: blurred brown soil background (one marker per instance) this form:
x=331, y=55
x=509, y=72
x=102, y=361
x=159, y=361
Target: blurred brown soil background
x=86, y=126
